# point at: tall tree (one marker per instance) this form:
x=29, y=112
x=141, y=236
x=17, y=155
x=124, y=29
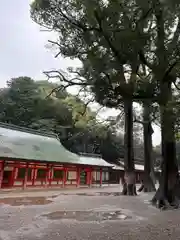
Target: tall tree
x=148, y=115
x=148, y=184
x=111, y=37
x=102, y=36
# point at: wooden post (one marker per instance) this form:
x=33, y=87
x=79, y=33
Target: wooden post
x=64, y=177
x=34, y=175
x=78, y=177
x=46, y=175
x=13, y=175
x=87, y=176
x=26, y=176
x=1, y=172
x=50, y=174
x=90, y=177
x=100, y=177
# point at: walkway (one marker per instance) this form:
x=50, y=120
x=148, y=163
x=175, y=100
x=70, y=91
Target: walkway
x=84, y=214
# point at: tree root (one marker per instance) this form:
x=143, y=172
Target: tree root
x=171, y=201
x=147, y=187
x=129, y=190
x=141, y=188
x=147, y=184
x=124, y=191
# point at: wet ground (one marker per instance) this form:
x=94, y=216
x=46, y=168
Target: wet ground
x=24, y=201
x=84, y=214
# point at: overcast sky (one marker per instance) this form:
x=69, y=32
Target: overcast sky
x=22, y=46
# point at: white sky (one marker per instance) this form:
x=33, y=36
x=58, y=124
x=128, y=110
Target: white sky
x=23, y=51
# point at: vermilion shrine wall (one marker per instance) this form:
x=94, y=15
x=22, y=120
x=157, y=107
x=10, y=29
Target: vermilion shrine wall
x=29, y=174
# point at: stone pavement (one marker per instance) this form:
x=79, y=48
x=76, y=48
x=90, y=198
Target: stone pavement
x=84, y=214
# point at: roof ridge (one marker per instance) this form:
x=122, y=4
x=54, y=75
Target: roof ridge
x=90, y=154
x=27, y=130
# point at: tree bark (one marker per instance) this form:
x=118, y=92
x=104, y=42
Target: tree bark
x=147, y=183
x=129, y=187
x=168, y=192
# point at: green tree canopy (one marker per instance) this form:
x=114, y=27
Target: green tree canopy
x=24, y=102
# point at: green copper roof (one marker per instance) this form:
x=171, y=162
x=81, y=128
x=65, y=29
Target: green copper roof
x=96, y=161
x=31, y=146
x=27, y=144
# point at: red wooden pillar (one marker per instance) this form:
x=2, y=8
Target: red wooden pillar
x=13, y=176
x=100, y=177
x=50, y=174
x=46, y=175
x=78, y=177
x=64, y=177
x=34, y=175
x=90, y=177
x=1, y=172
x=87, y=176
x=26, y=176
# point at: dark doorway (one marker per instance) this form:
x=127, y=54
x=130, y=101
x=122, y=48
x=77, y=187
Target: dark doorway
x=83, y=177
x=7, y=179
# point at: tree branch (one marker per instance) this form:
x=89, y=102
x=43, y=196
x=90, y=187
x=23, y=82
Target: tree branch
x=176, y=86
x=168, y=71
x=113, y=49
x=144, y=16
x=86, y=105
x=175, y=38
x=57, y=44
x=77, y=24
x=57, y=74
x=142, y=57
x=144, y=61
x=145, y=123
x=92, y=127
x=80, y=90
x=56, y=89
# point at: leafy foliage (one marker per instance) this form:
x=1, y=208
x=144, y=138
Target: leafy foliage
x=105, y=36
x=115, y=41
x=130, y=51
x=25, y=103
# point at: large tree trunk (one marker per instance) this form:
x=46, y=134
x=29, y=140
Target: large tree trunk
x=129, y=187
x=148, y=183
x=168, y=192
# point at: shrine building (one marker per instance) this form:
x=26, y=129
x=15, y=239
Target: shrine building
x=30, y=158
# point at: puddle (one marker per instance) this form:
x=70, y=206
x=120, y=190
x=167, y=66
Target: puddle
x=109, y=194
x=87, y=215
x=94, y=194
x=25, y=201
x=78, y=194
x=54, y=196
x=85, y=194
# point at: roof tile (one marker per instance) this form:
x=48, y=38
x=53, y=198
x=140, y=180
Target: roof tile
x=17, y=143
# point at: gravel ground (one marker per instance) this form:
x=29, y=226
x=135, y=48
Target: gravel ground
x=84, y=214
